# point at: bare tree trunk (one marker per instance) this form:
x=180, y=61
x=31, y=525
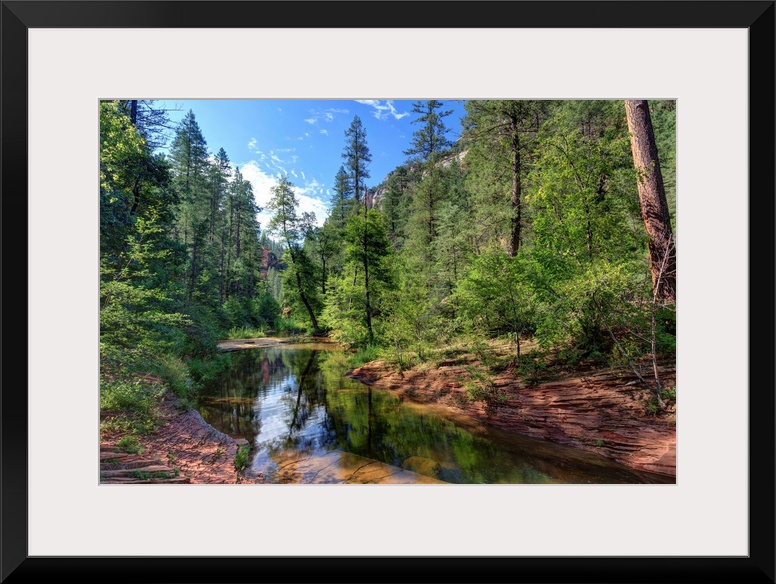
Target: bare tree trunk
x=652, y=197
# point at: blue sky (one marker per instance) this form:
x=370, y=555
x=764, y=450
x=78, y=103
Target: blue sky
x=304, y=140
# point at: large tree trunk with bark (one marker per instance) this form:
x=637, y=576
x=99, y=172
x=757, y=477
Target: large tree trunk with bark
x=652, y=197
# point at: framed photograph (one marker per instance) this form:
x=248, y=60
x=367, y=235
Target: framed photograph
x=712, y=60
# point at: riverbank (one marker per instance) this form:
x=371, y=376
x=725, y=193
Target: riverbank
x=183, y=442
x=264, y=342
x=604, y=410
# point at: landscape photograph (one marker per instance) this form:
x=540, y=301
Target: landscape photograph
x=387, y=291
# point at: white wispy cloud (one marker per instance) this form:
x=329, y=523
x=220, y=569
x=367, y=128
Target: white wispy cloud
x=262, y=183
x=324, y=131
x=252, y=144
x=303, y=176
x=326, y=115
x=313, y=187
x=383, y=109
x=293, y=173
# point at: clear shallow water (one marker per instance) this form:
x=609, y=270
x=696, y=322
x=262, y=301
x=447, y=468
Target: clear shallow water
x=309, y=423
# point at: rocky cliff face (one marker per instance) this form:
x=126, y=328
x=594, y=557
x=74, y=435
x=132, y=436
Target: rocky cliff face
x=375, y=195
x=269, y=260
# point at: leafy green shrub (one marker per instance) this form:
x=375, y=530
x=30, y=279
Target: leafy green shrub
x=476, y=391
x=480, y=387
x=241, y=458
x=364, y=355
x=129, y=395
x=532, y=364
x=485, y=354
x=130, y=444
x=133, y=405
x=206, y=371
x=175, y=373
x=244, y=332
x=288, y=325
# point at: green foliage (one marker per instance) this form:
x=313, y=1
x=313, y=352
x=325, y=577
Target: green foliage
x=133, y=395
x=528, y=228
x=415, y=323
x=663, y=115
x=144, y=475
x=344, y=313
x=531, y=366
x=497, y=295
x=357, y=157
x=241, y=459
x=430, y=139
x=364, y=355
x=244, y=333
x=652, y=406
x=205, y=371
x=290, y=325
x=134, y=402
x=130, y=444
x=175, y=373
x=299, y=279
x=481, y=386
x=258, y=312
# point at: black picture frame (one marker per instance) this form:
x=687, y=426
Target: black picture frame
x=756, y=16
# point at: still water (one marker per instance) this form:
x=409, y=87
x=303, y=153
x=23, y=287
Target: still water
x=308, y=422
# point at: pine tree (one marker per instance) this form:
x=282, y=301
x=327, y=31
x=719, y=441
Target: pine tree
x=430, y=139
x=357, y=159
x=343, y=199
x=293, y=228
x=190, y=165
x=502, y=132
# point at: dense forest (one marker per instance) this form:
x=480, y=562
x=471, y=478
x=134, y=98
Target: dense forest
x=548, y=225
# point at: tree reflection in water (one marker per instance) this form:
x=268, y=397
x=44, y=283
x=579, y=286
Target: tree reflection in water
x=308, y=422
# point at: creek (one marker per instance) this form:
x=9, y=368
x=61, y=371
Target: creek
x=307, y=422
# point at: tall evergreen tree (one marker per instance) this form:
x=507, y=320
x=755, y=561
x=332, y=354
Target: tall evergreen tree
x=503, y=131
x=139, y=263
x=343, y=199
x=357, y=158
x=190, y=165
x=396, y=204
x=293, y=228
x=430, y=139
